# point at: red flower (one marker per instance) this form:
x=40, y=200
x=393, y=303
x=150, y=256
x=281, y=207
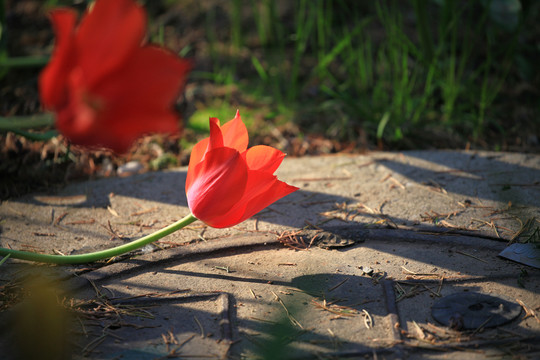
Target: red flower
x=106, y=87
x=228, y=183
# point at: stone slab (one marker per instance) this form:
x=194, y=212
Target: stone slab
x=419, y=225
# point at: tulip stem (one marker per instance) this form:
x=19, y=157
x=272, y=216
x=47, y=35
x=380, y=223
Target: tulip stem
x=99, y=255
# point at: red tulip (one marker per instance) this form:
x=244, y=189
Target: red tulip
x=228, y=183
x=106, y=86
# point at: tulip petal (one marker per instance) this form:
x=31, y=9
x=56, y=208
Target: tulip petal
x=216, y=136
x=147, y=84
x=275, y=192
x=215, y=140
x=113, y=137
x=257, y=183
x=151, y=79
x=219, y=183
x=52, y=80
x=235, y=134
x=264, y=158
x=133, y=101
x=215, y=177
x=77, y=119
x=262, y=189
x=107, y=37
x=106, y=88
x=197, y=153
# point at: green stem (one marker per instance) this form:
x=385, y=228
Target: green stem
x=24, y=61
x=99, y=255
x=420, y=8
x=26, y=122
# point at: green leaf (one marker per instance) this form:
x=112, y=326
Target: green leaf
x=36, y=136
x=24, y=61
x=259, y=68
x=13, y=123
x=382, y=124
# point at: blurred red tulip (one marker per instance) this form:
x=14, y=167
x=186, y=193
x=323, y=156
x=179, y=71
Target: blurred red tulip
x=106, y=86
x=228, y=183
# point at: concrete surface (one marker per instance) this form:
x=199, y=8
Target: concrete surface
x=349, y=266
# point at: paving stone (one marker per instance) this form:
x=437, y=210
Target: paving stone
x=348, y=266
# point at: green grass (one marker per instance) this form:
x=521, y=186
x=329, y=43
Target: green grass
x=406, y=73
x=397, y=70
x=198, y=121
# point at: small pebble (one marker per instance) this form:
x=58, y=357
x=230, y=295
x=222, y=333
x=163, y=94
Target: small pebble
x=366, y=270
x=129, y=168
